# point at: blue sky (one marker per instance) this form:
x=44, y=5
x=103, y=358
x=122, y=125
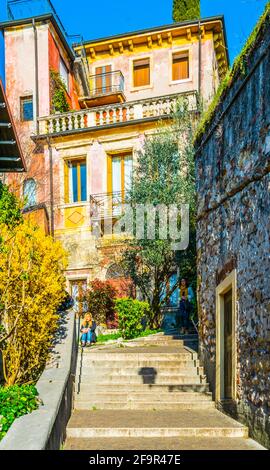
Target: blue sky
x=107, y=17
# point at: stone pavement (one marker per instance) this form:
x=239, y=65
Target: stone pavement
x=150, y=393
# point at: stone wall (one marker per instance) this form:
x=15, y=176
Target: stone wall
x=233, y=232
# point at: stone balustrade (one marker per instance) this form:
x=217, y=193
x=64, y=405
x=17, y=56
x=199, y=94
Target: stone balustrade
x=113, y=114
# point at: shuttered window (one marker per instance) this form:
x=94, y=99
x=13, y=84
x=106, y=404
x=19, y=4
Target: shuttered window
x=75, y=181
x=141, y=72
x=180, y=66
x=103, y=79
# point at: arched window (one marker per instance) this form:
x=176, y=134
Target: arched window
x=30, y=192
x=115, y=272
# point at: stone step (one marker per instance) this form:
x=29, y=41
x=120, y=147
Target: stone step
x=131, y=388
x=167, y=423
x=139, y=357
x=131, y=363
x=179, y=443
x=143, y=379
x=142, y=405
x=141, y=371
x=145, y=395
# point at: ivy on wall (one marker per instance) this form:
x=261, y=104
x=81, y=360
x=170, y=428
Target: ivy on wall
x=184, y=10
x=58, y=93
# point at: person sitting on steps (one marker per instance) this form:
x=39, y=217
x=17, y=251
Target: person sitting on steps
x=88, y=330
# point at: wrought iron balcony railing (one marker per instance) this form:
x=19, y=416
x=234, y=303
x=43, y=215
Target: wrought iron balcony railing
x=107, y=205
x=106, y=83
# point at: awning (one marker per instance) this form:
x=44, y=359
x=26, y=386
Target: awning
x=11, y=157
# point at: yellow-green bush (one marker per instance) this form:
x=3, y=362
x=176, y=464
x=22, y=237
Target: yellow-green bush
x=32, y=285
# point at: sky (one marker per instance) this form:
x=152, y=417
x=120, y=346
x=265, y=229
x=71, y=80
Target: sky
x=106, y=17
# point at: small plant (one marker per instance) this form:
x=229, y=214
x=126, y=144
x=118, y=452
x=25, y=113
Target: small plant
x=132, y=315
x=16, y=401
x=59, y=93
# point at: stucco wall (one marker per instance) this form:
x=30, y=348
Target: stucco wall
x=233, y=183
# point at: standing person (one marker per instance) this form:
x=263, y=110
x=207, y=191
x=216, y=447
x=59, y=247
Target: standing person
x=186, y=296
x=88, y=330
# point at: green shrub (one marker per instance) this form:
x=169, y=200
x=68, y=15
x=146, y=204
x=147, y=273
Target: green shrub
x=16, y=401
x=132, y=314
x=10, y=209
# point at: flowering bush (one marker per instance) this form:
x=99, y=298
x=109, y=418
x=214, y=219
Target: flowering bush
x=100, y=300
x=32, y=286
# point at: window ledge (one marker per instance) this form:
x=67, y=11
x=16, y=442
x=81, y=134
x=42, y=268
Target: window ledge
x=178, y=82
x=140, y=88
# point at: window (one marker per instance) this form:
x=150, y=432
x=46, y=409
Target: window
x=119, y=173
x=180, y=66
x=141, y=72
x=27, y=110
x=63, y=72
x=103, y=79
x=30, y=192
x=75, y=181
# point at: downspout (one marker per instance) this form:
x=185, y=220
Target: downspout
x=36, y=74
x=51, y=187
x=200, y=59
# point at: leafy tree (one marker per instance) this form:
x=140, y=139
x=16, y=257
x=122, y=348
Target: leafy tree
x=32, y=286
x=100, y=300
x=10, y=208
x=164, y=175
x=184, y=10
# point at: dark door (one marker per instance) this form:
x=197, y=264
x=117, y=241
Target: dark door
x=228, y=345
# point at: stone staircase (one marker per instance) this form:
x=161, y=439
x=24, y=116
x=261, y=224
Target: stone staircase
x=150, y=392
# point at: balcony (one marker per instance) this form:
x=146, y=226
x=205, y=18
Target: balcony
x=117, y=114
x=105, y=88
x=107, y=205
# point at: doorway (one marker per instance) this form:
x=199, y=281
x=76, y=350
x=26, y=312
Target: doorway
x=77, y=290
x=226, y=339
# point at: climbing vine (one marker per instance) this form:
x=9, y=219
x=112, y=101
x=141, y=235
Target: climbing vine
x=58, y=93
x=239, y=67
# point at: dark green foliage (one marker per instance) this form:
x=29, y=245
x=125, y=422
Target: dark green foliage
x=59, y=93
x=16, y=401
x=10, y=211
x=164, y=175
x=184, y=10
x=131, y=315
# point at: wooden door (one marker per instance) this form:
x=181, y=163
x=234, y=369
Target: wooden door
x=228, y=345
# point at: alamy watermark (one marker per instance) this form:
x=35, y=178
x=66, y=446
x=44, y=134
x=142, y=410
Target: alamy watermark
x=161, y=222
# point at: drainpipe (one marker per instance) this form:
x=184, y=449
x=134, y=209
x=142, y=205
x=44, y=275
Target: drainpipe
x=200, y=59
x=36, y=74
x=51, y=188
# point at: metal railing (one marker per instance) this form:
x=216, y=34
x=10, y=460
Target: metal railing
x=106, y=83
x=107, y=205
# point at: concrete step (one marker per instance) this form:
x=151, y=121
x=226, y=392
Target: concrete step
x=167, y=423
x=179, y=443
x=141, y=371
x=143, y=379
x=133, y=354
x=144, y=396
x=130, y=388
x=142, y=405
x=131, y=363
